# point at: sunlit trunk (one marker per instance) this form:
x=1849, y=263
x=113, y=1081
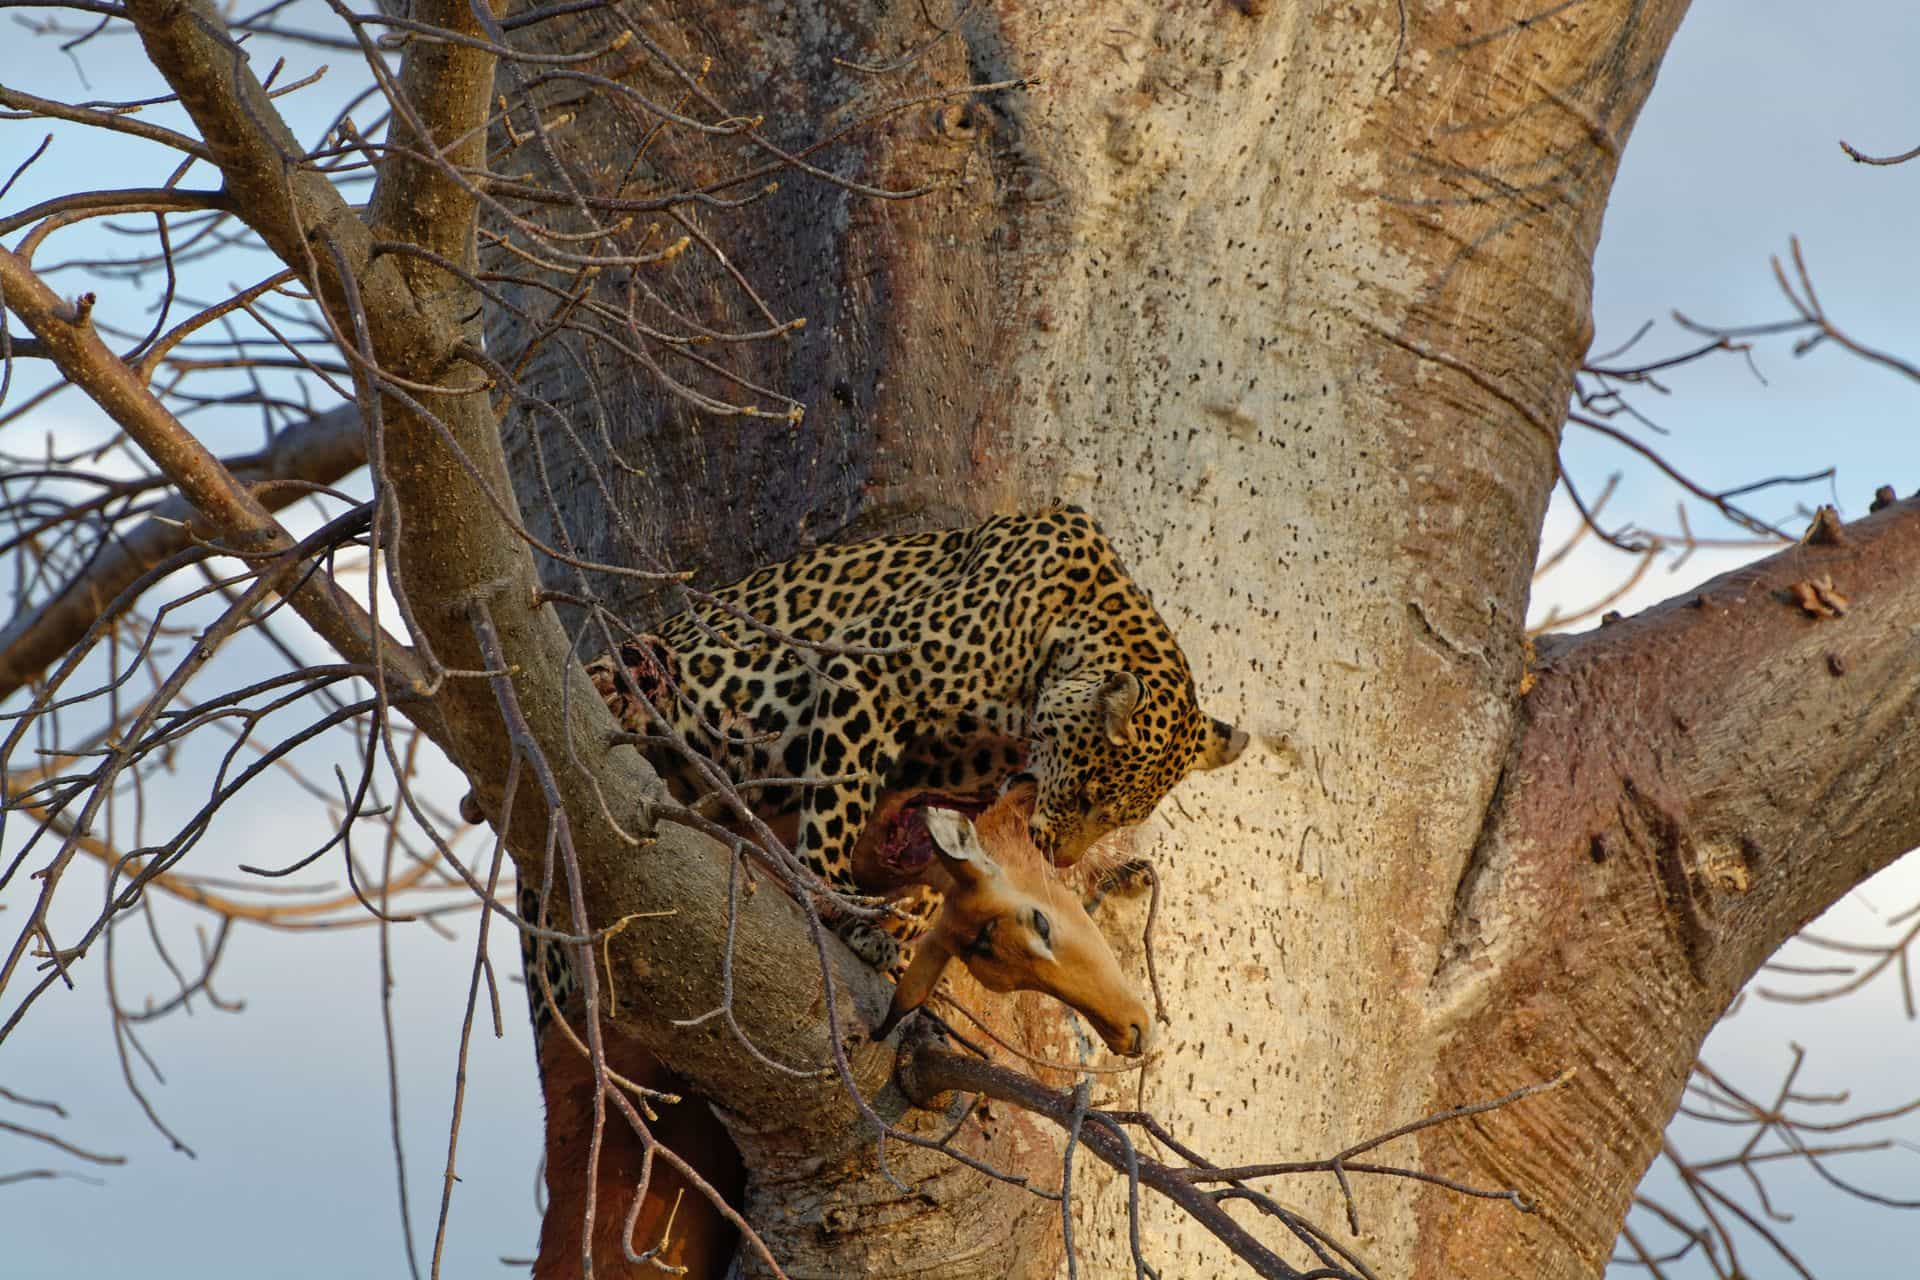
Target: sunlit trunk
x=1290, y=298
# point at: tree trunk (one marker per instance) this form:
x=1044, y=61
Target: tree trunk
x=1289, y=296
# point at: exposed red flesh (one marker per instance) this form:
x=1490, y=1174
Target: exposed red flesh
x=906, y=847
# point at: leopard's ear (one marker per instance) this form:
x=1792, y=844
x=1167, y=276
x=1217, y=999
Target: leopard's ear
x=1119, y=697
x=1220, y=744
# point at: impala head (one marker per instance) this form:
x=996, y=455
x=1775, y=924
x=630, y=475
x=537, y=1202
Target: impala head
x=1017, y=928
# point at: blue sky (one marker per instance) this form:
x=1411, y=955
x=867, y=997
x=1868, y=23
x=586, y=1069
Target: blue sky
x=285, y=1104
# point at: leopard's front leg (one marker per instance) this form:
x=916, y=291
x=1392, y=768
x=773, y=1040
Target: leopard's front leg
x=855, y=740
x=832, y=816
x=906, y=926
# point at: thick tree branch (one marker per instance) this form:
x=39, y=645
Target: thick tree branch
x=1687, y=789
x=257, y=154
x=320, y=451
x=1760, y=731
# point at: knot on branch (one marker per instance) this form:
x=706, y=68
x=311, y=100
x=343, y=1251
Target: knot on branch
x=1825, y=531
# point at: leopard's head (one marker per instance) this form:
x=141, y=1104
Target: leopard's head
x=1108, y=745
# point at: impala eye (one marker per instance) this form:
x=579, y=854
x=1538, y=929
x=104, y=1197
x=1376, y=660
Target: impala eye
x=1043, y=927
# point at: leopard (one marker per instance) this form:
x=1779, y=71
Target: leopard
x=953, y=662
x=862, y=687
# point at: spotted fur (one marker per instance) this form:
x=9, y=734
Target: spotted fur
x=948, y=662
x=1019, y=643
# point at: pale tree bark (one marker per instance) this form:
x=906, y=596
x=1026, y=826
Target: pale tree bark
x=1291, y=297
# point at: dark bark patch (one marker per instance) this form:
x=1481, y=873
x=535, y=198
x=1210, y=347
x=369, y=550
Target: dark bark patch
x=1661, y=834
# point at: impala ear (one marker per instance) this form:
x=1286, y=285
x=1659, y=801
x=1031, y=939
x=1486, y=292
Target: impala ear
x=930, y=959
x=1119, y=697
x=1220, y=744
x=958, y=847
